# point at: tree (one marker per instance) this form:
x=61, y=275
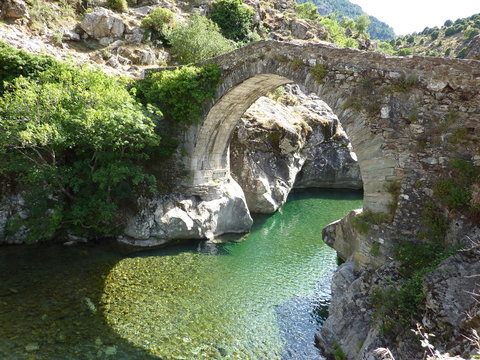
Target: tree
x=74, y=138
x=234, y=18
x=362, y=23
x=307, y=11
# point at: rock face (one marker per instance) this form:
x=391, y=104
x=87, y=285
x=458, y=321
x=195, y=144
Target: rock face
x=103, y=23
x=214, y=211
x=295, y=142
x=12, y=206
x=14, y=9
x=451, y=308
x=473, y=49
x=266, y=154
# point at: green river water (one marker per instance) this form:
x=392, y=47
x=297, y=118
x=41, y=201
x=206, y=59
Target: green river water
x=261, y=296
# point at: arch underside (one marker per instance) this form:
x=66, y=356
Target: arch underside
x=210, y=160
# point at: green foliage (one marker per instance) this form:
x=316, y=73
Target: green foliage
x=160, y=22
x=340, y=9
x=404, y=52
x=14, y=63
x=319, y=72
x=338, y=353
x=386, y=48
x=405, y=83
x=434, y=35
x=462, y=53
x=234, y=18
x=180, y=93
x=119, y=5
x=337, y=32
x=436, y=222
x=307, y=11
x=74, y=137
x=396, y=307
x=361, y=24
x=43, y=14
x=470, y=33
x=297, y=64
x=375, y=249
x=366, y=219
x=197, y=40
x=454, y=190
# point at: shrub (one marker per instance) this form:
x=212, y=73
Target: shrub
x=74, y=137
x=434, y=35
x=462, y=53
x=386, y=48
x=337, y=32
x=14, y=63
x=450, y=31
x=119, y=5
x=361, y=24
x=180, y=93
x=405, y=52
x=307, y=11
x=234, y=18
x=363, y=221
x=159, y=22
x=197, y=40
x=158, y=19
x=470, y=33
x=319, y=72
x=397, y=306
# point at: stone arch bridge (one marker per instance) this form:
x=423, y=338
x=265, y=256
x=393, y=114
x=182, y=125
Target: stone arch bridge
x=397, y=111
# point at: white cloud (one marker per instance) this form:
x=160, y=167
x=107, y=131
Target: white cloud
x=407, y=16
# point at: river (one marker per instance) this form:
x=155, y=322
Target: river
x=259, y=296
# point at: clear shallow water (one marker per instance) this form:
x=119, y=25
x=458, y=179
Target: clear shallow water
x=259, y=297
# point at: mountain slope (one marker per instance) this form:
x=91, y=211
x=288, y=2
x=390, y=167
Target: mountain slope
x=450, y=40
x=378, y=30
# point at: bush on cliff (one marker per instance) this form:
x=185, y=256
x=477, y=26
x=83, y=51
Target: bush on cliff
x=234, y=18
x=159, y=22
x=14, y=63
x=180, y=93
x=197, y=40
x=74, y=139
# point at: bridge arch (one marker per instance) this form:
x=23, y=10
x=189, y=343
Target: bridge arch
x=379, y=101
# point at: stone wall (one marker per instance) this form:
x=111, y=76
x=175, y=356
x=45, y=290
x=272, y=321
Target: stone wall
x=400, y=113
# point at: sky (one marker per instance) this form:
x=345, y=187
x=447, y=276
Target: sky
x=408, y=16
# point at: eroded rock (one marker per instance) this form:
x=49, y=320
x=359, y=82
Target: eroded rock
x=219, y=209
x=299, y=142
x=14, y=9
x=103, y=23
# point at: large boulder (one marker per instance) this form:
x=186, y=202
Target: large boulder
x=213, y=211
x=266, y=154
x=295, y=141
x=103, y=23
x=14, y=9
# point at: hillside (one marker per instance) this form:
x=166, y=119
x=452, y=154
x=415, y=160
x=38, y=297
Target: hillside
x=378, y=30
x=451, y=40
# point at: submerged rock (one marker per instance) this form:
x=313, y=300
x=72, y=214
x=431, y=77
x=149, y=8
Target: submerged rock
x=218, y=210
x=294, y=142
